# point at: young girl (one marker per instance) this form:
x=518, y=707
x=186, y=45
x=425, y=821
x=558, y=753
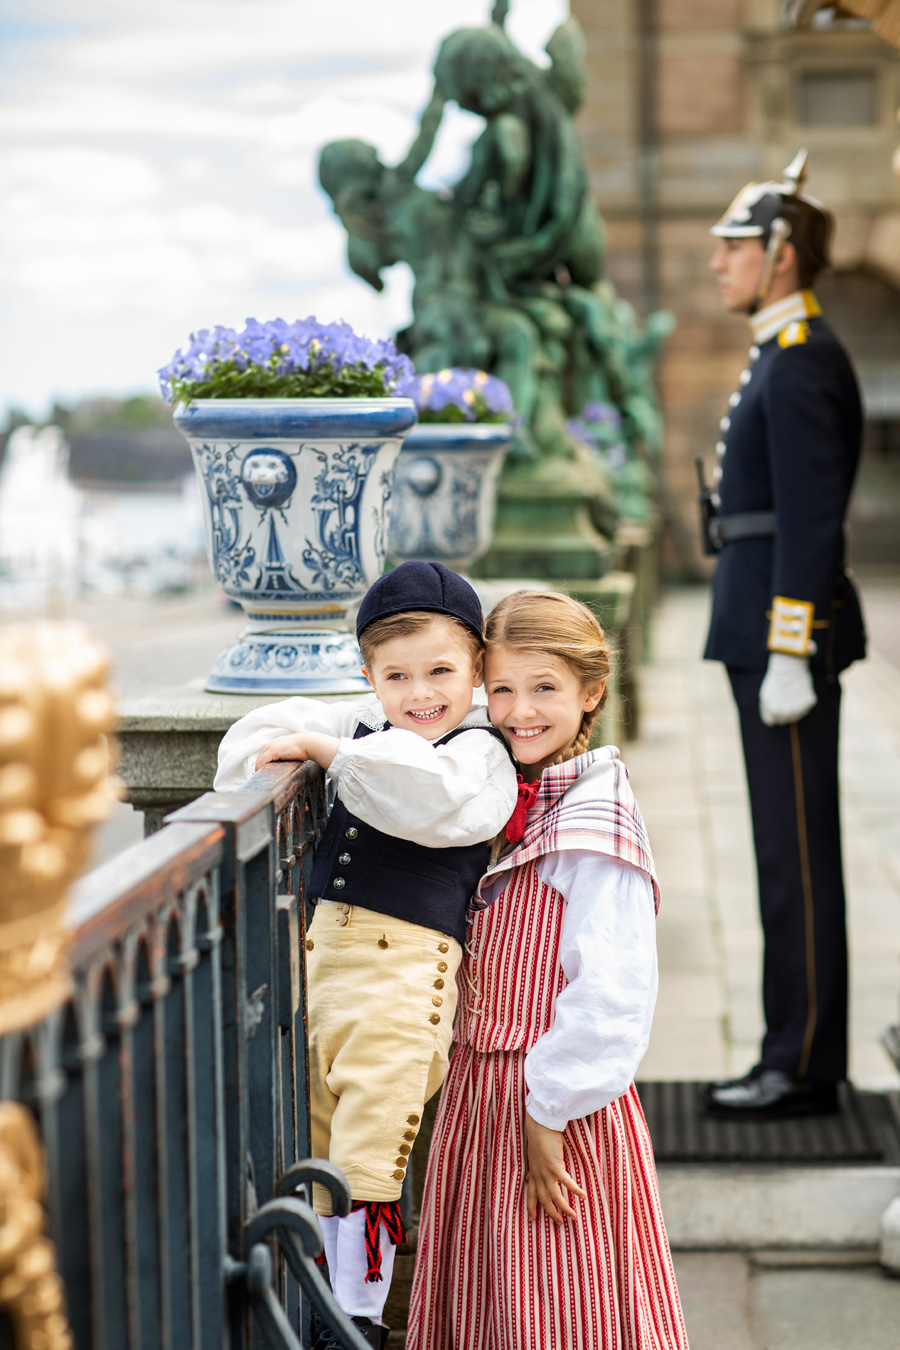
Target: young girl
x=541, y=1226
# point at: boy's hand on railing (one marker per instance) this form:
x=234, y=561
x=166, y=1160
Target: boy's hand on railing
x=300, y=746
x=548, y=1180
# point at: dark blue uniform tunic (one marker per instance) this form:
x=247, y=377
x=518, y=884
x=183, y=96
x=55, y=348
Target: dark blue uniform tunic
x=790, y=446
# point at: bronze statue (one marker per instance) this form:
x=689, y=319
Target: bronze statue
x=508, y=265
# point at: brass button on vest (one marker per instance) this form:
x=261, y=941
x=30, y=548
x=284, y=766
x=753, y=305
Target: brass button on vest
x=435, y=1018
x=344, y=859
x=409, y=1134
x=443, y=947
x=404, y=1149
x=439, y=984
x=309, y=944
x=343, y=920
x=401, y=1162
x=442, y=966
x=382, y=942
x=412, y=1120
x=352, y=832
x=437, y=1000
x=398, y=1175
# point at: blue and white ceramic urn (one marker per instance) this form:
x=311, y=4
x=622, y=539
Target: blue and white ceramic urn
x=296, y=505
x=445, y=491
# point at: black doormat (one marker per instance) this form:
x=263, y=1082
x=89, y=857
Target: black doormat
x=866, y=1129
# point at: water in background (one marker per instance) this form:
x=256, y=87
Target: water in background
x=60, y=540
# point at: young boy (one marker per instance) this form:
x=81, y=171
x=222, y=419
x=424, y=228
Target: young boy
x=404, y=848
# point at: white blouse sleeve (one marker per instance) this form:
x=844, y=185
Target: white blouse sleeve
x=600, y=1032
x=242, y=742
x=437, y=795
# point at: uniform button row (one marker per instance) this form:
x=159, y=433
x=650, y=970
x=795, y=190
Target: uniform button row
x=724, y=423
x=745, y=377
x=720, y=447
x=339, y=883
x=754, y=353
x=435, y=1018
x=735, y=399
x=344, y=859
x=352, y=832
x=442, y=966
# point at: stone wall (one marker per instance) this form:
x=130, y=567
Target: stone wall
x=680, y=114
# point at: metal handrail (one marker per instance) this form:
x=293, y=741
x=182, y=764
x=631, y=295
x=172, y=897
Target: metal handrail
x=170, y=1088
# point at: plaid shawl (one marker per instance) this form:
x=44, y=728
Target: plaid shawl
x=585, y=803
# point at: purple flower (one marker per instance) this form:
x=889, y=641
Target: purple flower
x=277, y=356
x=459, y=394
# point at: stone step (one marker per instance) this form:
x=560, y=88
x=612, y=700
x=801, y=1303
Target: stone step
x=749, y=1207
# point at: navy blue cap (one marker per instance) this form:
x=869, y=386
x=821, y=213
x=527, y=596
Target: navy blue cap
x=427, y=586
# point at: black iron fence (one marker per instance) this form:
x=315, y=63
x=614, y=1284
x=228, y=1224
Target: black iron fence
x=170, y=1090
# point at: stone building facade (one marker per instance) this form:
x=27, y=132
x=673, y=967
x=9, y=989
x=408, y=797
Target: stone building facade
x=690, y=99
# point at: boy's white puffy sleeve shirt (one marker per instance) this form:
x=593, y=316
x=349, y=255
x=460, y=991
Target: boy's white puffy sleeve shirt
x=440, y=796
x=601, y=1027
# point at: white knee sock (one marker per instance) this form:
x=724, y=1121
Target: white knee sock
x=329, y=1226
x=345, y=1251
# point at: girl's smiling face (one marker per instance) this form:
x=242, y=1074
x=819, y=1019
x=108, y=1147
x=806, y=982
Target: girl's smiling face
x=537, y=701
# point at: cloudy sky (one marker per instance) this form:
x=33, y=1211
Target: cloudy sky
x=157, y=169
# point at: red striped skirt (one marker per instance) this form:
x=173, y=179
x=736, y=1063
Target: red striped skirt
x=489, y=1278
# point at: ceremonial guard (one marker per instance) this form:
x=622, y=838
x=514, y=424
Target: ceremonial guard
x=785, y=622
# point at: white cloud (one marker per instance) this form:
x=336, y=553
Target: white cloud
x=79, y=175
x=159, y=170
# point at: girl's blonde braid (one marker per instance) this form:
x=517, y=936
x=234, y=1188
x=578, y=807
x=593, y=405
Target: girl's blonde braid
x=582, y=741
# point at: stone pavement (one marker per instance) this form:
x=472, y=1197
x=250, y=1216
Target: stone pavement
x=687, y=773
x=771, y=1301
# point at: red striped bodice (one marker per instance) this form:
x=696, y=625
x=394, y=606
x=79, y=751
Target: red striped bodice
x=510, y=975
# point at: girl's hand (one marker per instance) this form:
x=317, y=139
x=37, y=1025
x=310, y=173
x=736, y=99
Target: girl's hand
x=547, y=1179
x=299, y=747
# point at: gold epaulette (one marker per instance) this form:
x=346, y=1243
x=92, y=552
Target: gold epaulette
x=794, y=334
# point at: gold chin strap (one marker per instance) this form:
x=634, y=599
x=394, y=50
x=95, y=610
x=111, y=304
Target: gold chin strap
x=779, y=233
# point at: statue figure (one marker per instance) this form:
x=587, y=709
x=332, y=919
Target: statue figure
x=508, y=265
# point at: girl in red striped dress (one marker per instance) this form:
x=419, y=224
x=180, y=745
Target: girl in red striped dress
x=541, y=1224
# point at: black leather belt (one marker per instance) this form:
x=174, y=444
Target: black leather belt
x=742, y=525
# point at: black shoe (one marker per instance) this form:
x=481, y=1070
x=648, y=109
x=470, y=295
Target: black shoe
x=373, y=1333
x=748, y=1077
x=772, y=1095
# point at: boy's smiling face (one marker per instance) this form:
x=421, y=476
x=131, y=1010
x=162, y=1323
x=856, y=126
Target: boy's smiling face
x=424, y=681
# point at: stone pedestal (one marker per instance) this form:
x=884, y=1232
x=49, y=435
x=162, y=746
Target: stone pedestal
x=168, y=745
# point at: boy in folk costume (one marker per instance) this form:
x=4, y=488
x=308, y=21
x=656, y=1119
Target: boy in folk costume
x=541, y=1223
x=405, y=844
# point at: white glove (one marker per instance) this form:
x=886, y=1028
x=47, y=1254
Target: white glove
x=786, y=693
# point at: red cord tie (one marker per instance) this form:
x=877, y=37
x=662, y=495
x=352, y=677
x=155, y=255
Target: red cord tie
x=377, y=1213
x=515, y=827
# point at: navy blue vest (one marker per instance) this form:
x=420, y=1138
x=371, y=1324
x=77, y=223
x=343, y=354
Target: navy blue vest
x=359, y=865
